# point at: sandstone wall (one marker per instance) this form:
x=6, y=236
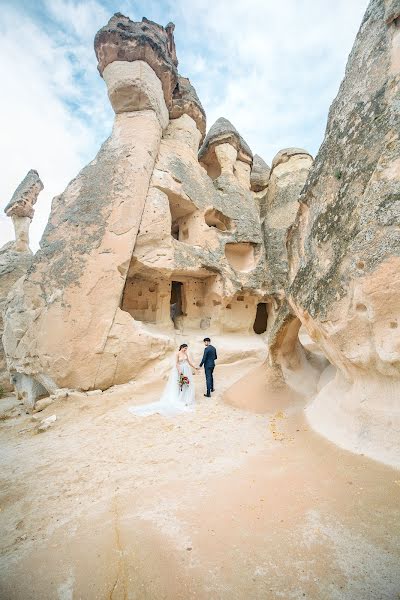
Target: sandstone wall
x=344, y=247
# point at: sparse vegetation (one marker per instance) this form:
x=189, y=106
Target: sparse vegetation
x=2, y=392
x=338, y=174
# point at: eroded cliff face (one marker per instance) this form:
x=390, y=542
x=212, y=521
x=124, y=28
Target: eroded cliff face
x=344, y=247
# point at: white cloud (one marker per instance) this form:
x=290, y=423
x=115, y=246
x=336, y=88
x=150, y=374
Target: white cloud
x=279, y=65
x=272, y=68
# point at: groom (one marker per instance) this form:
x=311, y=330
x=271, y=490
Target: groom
x=208, y=360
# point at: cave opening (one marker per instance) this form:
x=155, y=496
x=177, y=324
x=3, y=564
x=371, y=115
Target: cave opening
x=261, y=320
x=176, y=300
x=140, y=299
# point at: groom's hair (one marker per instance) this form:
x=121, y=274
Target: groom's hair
x=206, y=340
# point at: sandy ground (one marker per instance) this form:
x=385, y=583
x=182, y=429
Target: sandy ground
x=216, y=504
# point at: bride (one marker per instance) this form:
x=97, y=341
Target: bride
x=177, y=396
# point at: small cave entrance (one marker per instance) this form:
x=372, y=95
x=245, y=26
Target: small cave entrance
x=176, y=300
x=261, y=320
x=215, y=218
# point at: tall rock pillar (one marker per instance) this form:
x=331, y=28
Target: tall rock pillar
x=58, y=322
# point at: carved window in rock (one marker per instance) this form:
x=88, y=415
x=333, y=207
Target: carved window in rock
x=261, y=320
x=140, y=299
x=181, y=211
x=215, y=218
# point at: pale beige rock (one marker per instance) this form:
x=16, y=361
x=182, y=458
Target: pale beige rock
x=226, y=155
x=242, y=172
x=70, y=319
x=43, y=403
x=260, y=173
x=186, y=101
x=183, y=201
x=46, y=423
x=288, y=361
x=134, y=86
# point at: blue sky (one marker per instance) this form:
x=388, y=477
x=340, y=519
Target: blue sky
x=271, y=68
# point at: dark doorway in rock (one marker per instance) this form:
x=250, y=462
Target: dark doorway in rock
x=176, y=301
x=175, y=230
x=260, y=322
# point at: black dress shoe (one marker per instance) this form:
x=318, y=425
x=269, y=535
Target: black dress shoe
x=213, y=390
x=207, y=395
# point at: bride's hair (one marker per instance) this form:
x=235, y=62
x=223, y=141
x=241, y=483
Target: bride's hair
x=182, y=346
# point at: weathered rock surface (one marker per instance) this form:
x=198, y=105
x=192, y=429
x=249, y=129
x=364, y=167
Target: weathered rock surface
x=20, y=208
x=224, y=132
x=124, y=40
x=13, y=265
x=46, y=423
x=260, y=173
x=288, y=175
x=344, y=247
x=186, y=101
x=16, y=256
x=288, y=362
x=25, y=196
x=286, y=154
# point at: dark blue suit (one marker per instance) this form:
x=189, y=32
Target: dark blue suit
x=208, y=360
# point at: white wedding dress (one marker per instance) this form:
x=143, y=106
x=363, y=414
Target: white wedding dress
x=173, y=400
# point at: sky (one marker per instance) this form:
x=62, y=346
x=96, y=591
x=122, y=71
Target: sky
x=271, y=68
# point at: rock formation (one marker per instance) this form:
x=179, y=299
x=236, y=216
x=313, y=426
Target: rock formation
x=20, y=208
x=16, y=256
x=344, y=247
x=260, y=173
x=157, y=239
x=288, y=362
x=149, y=241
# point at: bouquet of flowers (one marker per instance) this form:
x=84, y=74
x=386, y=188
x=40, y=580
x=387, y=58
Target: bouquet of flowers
x=183, y=380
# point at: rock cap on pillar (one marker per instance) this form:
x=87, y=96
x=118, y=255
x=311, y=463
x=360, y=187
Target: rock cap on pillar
x=186, y=101
x=125, y=40
x=25, y=196
x=223, y=132
x=286, y=154
x=260, y=173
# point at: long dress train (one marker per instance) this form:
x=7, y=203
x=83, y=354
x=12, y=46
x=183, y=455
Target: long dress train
x=173, y=400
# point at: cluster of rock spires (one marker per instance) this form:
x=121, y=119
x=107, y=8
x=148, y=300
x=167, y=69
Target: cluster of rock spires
x=234, y=246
